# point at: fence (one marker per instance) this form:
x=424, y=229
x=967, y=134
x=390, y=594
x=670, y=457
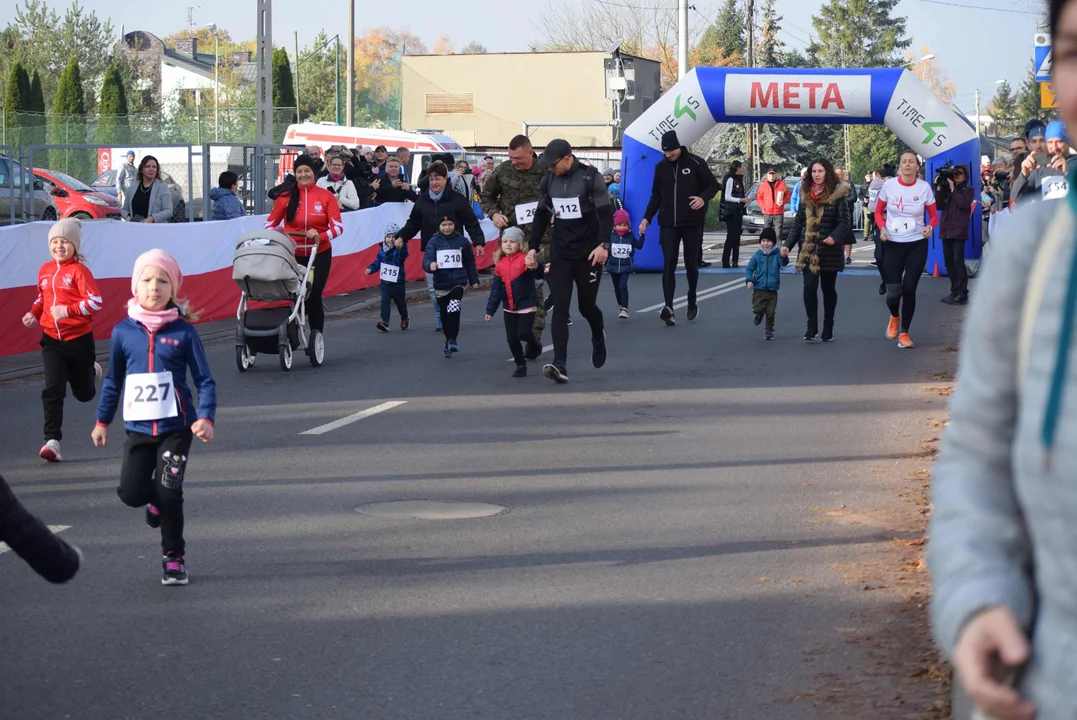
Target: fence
x=256, y=166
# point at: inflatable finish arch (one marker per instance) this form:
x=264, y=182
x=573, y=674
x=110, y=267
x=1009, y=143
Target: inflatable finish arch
x=707, y=96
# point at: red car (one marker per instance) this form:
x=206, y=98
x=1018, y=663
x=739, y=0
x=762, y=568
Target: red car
x=75, y=198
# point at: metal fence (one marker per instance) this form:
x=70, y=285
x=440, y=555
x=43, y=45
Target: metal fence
x=257, y=168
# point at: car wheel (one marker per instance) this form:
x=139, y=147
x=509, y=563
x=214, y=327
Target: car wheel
x=81, y=215
x=49, y=214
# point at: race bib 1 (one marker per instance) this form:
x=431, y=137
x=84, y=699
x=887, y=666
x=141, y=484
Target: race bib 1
x=900, y=225
x=525, y=213
x=567, y=208
x=149, y=396
x=1055, y=188
x=450, y=259
x=621, y=251
x=390, y=273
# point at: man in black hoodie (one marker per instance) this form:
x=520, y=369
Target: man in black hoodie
x=679, y=193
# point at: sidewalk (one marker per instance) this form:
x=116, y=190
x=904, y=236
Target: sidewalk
x=29, y=364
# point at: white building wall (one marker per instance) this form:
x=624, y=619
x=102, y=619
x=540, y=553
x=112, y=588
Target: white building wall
x=174, y=78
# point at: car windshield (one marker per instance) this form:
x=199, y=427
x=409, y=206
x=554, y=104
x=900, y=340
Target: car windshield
x=73, y=183
x=105, y=179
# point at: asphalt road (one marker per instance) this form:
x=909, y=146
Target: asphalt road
x=646, y=503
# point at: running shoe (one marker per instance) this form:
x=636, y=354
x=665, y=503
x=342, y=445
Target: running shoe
x=534, y=350
x=175, y=571
x=950, y=299
x=555, y=372
x=598, y=350
x=569, y=320
x=961, y=300
x=448, y=352
x=757, y=319
x=521, y=371
x=893, y=327
x=904, y=341
x=848, y=259
x=153, y=516
x=666, y=315
x=882, y=288
x=623, y=313
x=547, y=304
x=383, y=326
x=769, y=334
x=50, y=452
x=703, y=264
x=874, y=263
x=97, y=371
x=405, y=324
x=828, y=333
x=693, y=311
x=811, y=334
x=453, y=347
x=439, y=327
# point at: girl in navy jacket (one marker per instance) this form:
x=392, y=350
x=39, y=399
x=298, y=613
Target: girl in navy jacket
x=514, y=287
x=151, y=352
x=390, y=268
x=449, y=257
x=623, y=244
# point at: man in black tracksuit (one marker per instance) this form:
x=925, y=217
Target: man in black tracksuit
x=576, y=198
x=679, y=194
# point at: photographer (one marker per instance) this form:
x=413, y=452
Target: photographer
x=955, y=196
x=1049, y=158
x=339, y=185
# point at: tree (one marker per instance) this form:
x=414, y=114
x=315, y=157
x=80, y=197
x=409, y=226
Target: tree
x=728, y=32
x=377, y=73
x=443, y=46
x=1028, y=99
x=37, y=107
x=283, y=85
x=932, y=75
x=69, y=123
x=770, y=47
x=858, y=34
x=318, y=80
x=1003, y=110
x=16, y=104
x=112, y=126
x=473, y=48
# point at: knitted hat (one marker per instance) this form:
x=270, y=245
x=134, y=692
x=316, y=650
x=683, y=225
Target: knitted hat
x=304, y=160
x=392, y=229
x=448, y=217
x=768, y=234
x=621, y=216
x=161, y=259
x=70, y=229
x=1056, y=130
x=670, y=141
x=513, y=233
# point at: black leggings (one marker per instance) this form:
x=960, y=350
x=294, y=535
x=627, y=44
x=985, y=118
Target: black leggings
x=670, y=238
x=66, y=363
x=829, y=283
x=519, y=330
x=152, y=473
x=903, y=264
x=315, y=308
x=562, y=276
x=451, y=304
x=734, y=223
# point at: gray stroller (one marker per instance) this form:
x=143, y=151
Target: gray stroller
x=265, y=268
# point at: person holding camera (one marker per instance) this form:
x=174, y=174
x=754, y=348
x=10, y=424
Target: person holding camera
x=339, y=185
x=954, y=197
x=1048, y=158
x=392, y=187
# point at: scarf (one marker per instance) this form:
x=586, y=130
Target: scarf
x=336, y=178
x=624, y=232
x=154, y=320
x=816, y=191
x=436, y=197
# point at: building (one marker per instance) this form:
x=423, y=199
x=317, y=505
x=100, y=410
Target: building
x=483, y=100
x=167, y=72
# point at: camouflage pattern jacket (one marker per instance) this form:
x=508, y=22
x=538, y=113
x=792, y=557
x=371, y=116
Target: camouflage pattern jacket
x=507, y=187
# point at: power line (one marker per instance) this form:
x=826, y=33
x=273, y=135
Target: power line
x=980, y=7
x=631, y=7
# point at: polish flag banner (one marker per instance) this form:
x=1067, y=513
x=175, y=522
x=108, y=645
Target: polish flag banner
x=804, y=96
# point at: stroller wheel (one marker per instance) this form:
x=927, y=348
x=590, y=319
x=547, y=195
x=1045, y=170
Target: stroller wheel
x=285, y=357
x=243, y=360
x=316, y=351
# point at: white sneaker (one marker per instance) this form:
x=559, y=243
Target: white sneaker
x=623, y=313
x=97, y=371
x=51, y=451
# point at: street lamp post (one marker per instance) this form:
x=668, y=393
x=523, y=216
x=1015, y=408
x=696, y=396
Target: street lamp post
x=212, y=27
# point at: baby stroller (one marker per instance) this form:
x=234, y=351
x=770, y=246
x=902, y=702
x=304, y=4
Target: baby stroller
x=265, y=268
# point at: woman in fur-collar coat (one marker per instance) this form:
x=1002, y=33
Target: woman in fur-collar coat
x=821, y=225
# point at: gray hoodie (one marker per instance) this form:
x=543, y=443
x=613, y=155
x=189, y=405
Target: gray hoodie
x=1004, y=528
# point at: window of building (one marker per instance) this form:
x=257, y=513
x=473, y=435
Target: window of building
x=450, y=103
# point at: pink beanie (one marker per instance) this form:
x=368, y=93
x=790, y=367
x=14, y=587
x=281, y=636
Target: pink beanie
x=621, y=216
x=161, y=259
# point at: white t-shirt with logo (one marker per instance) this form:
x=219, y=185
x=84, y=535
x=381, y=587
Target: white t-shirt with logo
x=905, y=208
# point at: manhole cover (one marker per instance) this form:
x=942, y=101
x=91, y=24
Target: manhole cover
x=432, y=510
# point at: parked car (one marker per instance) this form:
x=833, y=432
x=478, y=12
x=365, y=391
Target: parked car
x=106, y=183
x=75, y=198
x=13, y=183
x=753, y=219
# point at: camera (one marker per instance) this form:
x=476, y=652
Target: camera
x=946, y=172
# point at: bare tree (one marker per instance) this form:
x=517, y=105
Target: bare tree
x=473, y=48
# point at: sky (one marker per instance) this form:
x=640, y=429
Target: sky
x=975, y=47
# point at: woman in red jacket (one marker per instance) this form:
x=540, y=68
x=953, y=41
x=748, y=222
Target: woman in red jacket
x=311, y=216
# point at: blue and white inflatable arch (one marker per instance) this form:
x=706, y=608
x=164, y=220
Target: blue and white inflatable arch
x=707, y=96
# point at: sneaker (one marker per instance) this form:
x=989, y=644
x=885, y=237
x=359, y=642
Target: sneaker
x=848, y=259
x=758, y=319
x=623, y=313
x=448, y=352
x=453, y=347
x=598, y=350
x=703, y=264
x=874, y=263
x=51, y=451
x=904, y=341
x=153, y=516
x=175, y=571
x=547, y=304
x=892, y=328
x=534, y=350
x=666, y=315
x=769, y=334
x=828, y=333
x=569, y=320
x=405, y=324
x=693, y=312
x=439, y=327
x=811, y=334
x=882, y=288
x=556, y=373
x=383, y=326
x=949, y=299
x=961, y=300
x=521, y=371
x=97, y=371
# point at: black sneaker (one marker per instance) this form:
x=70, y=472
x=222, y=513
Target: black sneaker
x=769, y=334
x=666, y=315
x=383, y=326
x=949, y=299
x=703, y=264
x=569, y=320
x=405, y=324
x=534, y=350
x=521, y=371
x=693, y=312
x=882, y=288
x=175, y=570
x=828, y=333
x=153, y=516
x=556, y=373
x=547, y=304
x=811, y=334
x=598, y=350
x=758, y=319
x=961, y=300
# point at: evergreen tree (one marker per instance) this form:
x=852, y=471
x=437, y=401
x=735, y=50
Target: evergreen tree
x=37, y=97
x=69, y=124
x=727, y=34
x=1003, y=110
x=283, y=88
x=859, y=34
x=38, y=120
x=771, y=49
x=16, y=104
x=112, y=128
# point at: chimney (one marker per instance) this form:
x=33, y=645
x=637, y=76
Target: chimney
x=239, y=58
x=187, y=46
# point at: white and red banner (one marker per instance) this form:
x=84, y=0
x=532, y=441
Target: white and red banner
x=796, y=95
x=204, y=251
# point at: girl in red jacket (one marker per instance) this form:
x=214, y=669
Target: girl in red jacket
x=311, y=216
x=66, y=301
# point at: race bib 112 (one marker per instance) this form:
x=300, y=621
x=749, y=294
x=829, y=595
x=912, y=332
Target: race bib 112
x=567, y=208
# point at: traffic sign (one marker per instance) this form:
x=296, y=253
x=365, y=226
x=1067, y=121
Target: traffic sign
x=1042, y=45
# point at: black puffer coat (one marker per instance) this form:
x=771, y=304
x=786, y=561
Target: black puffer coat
x=815, y=222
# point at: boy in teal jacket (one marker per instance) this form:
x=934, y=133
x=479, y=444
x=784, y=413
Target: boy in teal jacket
x=763, y=278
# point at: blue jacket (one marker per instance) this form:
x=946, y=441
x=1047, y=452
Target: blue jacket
x=794, y=202
x=764, y=269
x=623, y=265
x=226, y=205
x=513, y=286
x=173, y=348
x=391, y=256
x=446, y=280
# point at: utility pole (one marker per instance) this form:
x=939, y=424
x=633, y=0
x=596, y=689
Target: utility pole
x=350, y=83
x=264, y=88
x=298, y=119
x=682, y=38
x=753, y=129
x=845, y=135
x=978, y=116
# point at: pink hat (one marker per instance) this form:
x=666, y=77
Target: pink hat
x=621, y=216
x=161, y=259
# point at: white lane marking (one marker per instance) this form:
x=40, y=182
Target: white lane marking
x=740, y=285
x=54, y=529
x=355, y=417
x=701, y=295
x=545, y=349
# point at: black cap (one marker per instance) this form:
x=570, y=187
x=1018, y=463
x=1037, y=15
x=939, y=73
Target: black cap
x=381, y=148
x=888, y=171
x=772, y=169
x=557, y=150
x=670, y=141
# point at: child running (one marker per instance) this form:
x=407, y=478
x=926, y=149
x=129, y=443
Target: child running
x=514, y=286
x=67, y=298
x=390, y=266
x=619, y=265
x=151, y=351
x=450, y=258
x=763, y=277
